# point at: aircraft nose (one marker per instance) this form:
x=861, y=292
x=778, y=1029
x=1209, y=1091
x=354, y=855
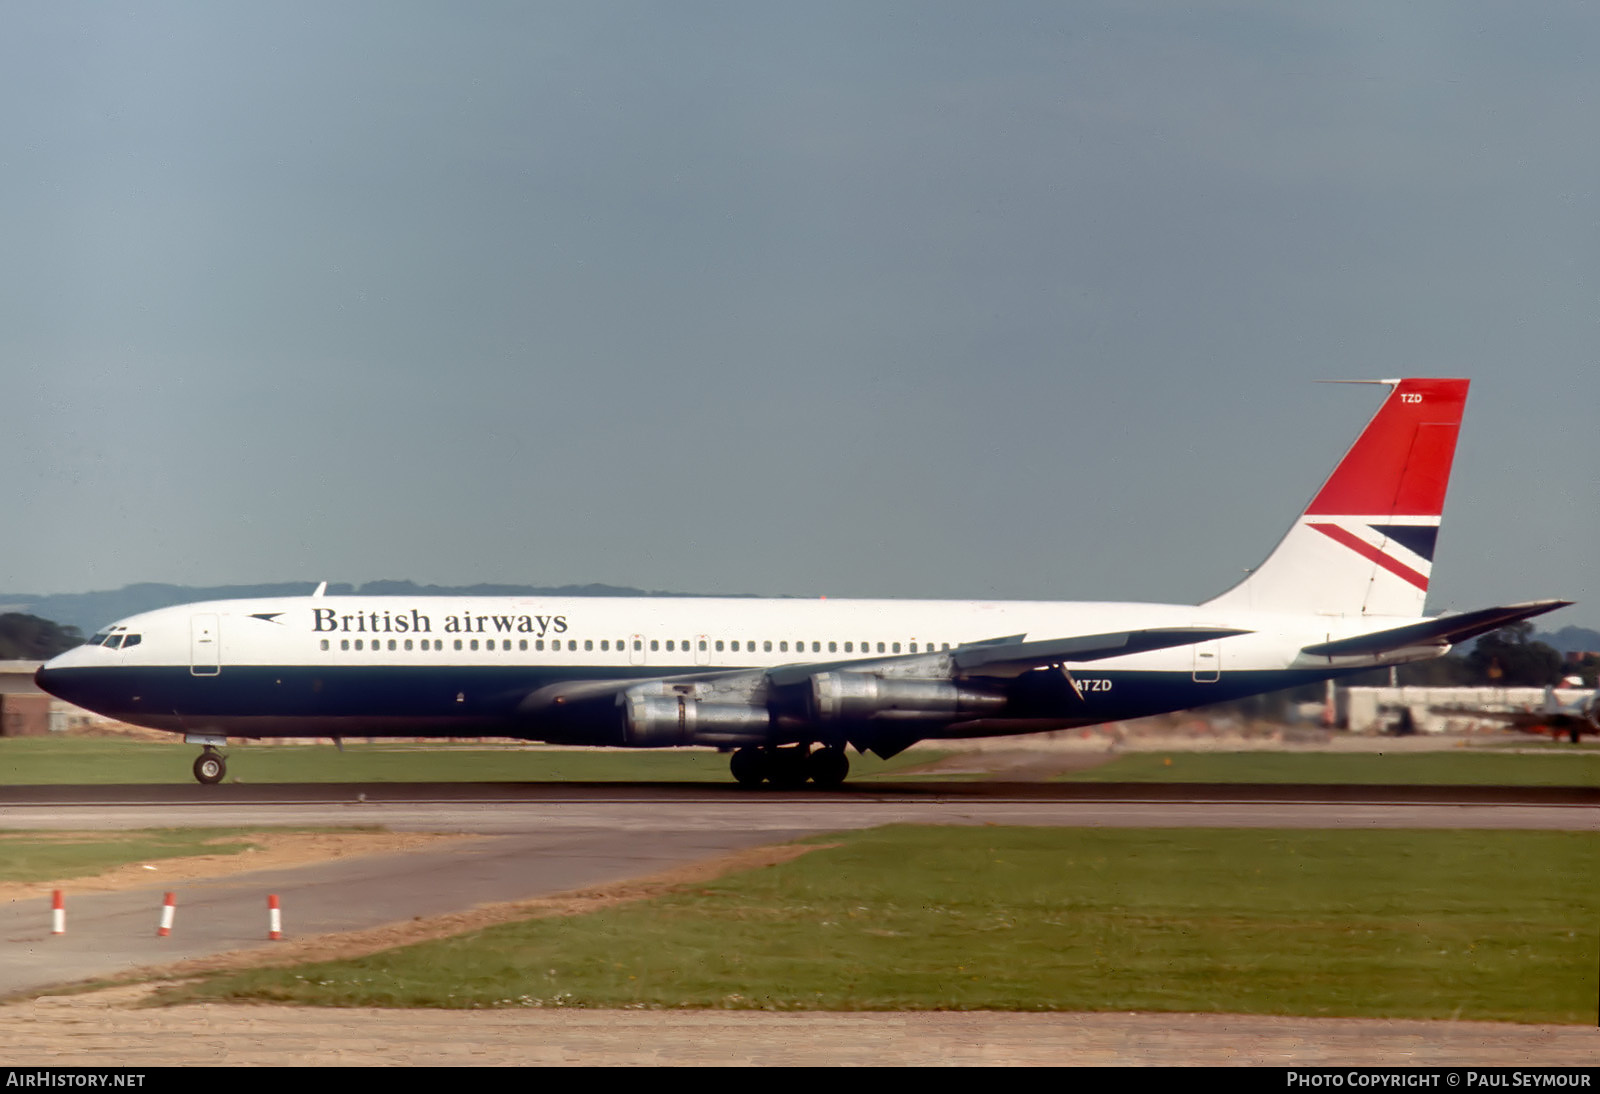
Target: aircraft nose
x=53, y=676
x=42, y=677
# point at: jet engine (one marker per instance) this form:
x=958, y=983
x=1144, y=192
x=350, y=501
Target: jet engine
x=653, y=719
x=859, y=696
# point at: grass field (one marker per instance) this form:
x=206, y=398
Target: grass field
x=39, y=760
x=1419, y=924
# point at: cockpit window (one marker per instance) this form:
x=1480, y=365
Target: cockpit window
x=113, y=638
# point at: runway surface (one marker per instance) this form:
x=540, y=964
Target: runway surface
x=535, y=840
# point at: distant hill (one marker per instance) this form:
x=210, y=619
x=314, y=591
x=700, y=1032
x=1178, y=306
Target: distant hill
x=1572, y=639
x=90, y=611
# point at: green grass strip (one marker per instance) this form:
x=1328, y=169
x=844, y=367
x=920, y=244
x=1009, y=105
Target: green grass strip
x=55, y=761
x=1401, y=924
x=60, y=856
x=36, y=761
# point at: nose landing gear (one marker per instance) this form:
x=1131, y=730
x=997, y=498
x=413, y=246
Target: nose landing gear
x=210, y=767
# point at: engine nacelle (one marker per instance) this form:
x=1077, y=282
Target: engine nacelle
x=666, y=720
x=854, y=696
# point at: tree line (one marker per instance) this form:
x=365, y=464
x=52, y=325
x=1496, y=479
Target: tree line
x=29, y=638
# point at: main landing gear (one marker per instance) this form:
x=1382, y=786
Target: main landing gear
x=210, y=767
x=790, y=768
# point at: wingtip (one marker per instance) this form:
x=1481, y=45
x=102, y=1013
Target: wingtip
x=1534, y=607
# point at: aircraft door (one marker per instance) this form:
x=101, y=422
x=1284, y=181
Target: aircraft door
x=1208, y=662
x=205, y=645
x=636, y=650
x=702, y=650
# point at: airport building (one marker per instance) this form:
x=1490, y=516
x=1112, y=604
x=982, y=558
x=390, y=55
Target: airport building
x=1442, y=710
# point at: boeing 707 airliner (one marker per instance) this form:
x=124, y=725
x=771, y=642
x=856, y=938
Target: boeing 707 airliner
x=787, y=685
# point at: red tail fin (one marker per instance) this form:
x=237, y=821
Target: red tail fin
x=1400, y=465
x=1364, y=546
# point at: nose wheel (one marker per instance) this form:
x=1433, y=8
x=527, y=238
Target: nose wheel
x=210, y=767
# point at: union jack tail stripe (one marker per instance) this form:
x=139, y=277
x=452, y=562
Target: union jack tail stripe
x=1365, y=543
x=1373, y=552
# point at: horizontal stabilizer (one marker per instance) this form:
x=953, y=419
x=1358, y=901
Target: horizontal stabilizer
x=1021, y=656
x=1447, y=630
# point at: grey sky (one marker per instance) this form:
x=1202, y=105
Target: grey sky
x=992, y=300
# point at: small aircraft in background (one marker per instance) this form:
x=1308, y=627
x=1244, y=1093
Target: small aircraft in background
x=1571, y=719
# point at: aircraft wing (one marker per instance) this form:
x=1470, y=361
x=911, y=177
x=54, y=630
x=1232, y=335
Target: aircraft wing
x=1012, y=659
x=998, y=657
x=1012, y=656
x=1446, y=630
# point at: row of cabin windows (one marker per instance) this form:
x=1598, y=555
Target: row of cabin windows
x=638, y=645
